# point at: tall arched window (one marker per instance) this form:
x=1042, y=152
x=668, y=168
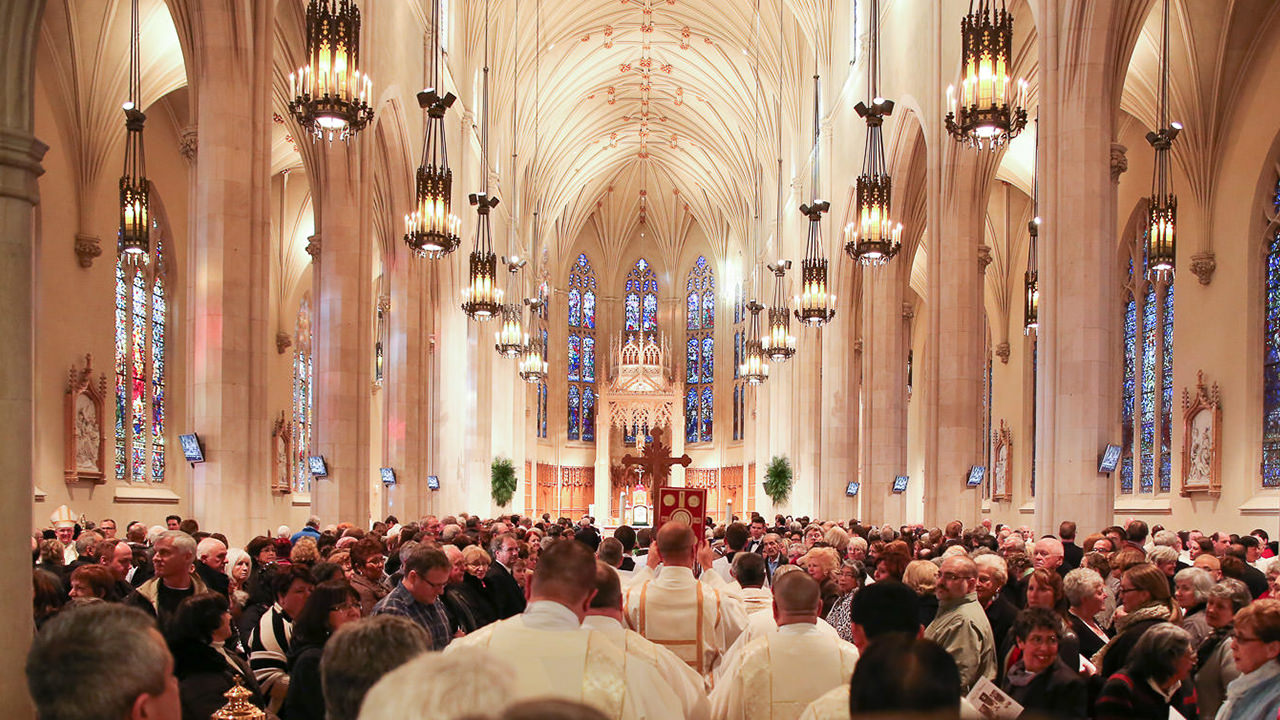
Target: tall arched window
x=1147, y=385
x=542, y=384
x=582, y=351
x=739, y=345
x=641, y=302
x=700, y=322
x=303, y=398
x=1271, y=352
x=140, y=335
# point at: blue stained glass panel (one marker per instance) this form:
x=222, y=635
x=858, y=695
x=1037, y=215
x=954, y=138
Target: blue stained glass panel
x=1271, y=365
x=708, y=411
x=709, y=309
x=1128, y=382
x=542, y=409
x=1146, y=476
x=122, y=321
x=575, y=356
x=589, y=310
x=1126, y=475
x=588, y=415
x=691, y=361
x=632, y=312
x=708, y=359
x=575, y=308
x=737, y=353
x=691, y=415
x=650, y=312
x=1166, y=393
x=692, y=318
x=573, y=412
x=588, y=358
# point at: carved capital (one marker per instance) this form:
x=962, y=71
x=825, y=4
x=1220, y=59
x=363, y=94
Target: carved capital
x=1203, y=264
x=88, y=247
x=384, y=304
x=1002, y=352
x=283, y=342
x=857, y=345
x=984, y=258
x=313, y=248
x=908, y=310
x=1119, y=163
x=188, y=142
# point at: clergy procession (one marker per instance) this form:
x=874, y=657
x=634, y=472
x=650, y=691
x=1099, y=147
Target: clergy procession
x=461, y=617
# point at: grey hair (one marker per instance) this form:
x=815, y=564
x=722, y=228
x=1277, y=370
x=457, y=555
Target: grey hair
x=235, y=555
x=86, y=541
x=1200, y=579
x=1080, y=584
x=857, y=541
x=407, y=549
x=182, y=542
x=443, y=686
x=994, y=563
x=1162, y=554
x=1158, y=650
x=1166, y=538
x=83, y=642
x=360, y=653
x=496, y=543
x=1233, y=591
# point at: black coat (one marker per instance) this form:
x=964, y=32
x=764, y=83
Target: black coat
x=1058, y=692
x=1072, y=554
x=472, y=594
x=204, y=675
x=216, y=581
x=1117, y=655
x=1001, y=613
x=1090, y=643
x=504, y=592
x=306, y=697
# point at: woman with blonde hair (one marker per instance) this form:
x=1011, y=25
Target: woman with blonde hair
x=922, y=577
x=1146, y=602
x=822, y=564
x=837, y=538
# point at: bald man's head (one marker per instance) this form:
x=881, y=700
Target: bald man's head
x=675, y=543
x=797, y=597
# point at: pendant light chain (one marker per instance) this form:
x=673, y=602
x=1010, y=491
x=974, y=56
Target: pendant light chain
x=482, y=299
x=133, y=242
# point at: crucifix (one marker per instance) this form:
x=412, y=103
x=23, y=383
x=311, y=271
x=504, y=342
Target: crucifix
x=656, y=461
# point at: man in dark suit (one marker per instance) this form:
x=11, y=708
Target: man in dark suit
x=758, y=529
x=211, y=562
x=1072, y=553
x=504, y=591
x=626, y=535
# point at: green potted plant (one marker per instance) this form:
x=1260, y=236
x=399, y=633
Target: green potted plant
x=502, y=476
x=777, y=479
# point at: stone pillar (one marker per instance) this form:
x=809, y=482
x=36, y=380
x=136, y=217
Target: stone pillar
x=404, y=367
x=20, y=156
x=841, y=350
x=228, y=264
x=953, y=371
x=603, y=488
x=340, y=340
x=884, y=393
x=1078, y=392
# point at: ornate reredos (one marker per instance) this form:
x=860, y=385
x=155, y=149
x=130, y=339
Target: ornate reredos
x=639, y=393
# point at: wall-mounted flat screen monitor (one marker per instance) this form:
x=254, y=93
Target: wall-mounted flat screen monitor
x=852, y=489
x=976, y=473
x=433, y=482
x=1110, y=459
x=317, y=466
x=388, y=476
x=191, y=449
x=900, y=484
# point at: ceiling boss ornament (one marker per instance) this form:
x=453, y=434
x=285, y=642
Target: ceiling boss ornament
x=330, y=94
x=989, y=110
x=873, y=236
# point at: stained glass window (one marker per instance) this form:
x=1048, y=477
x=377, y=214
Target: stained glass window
x=1166, y=391
x=303, y=398
x=641, y=299
x=739, y=340
x=1147, y=408
x=1127, y=389
x=1271, y=363
x=542, y=396
x=700, y=356
x=582, y=350
x=141, y=324
x=1147, y=386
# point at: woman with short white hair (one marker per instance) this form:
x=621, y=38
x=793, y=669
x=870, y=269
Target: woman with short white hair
x=1191, y=592
x=1086, y=594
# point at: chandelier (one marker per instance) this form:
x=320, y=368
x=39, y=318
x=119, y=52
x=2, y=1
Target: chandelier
x=873, y=238
x=754, y=368
x=1031, y=279
x=990, y=108
x=533, y=357
x=482, y=298
x=778, y=343
x=815, y=306
x=431, y=230
x=330, y=94
x=1162, y=206
x=133, y=241
x=510, y=339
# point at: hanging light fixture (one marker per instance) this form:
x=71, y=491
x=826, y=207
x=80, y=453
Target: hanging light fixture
x=989, y=110
x=533, y=356
x=482, y=298
x=431, y=230
x=873, y=237
x=815, y=306
x=509, y=340
x=778, y=342
x=1162, y=206
x=133, y=240
x=1031, y=280
x=330, y=94
x=754, y=368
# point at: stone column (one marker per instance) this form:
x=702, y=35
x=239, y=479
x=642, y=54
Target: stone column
x=228, y=264
x=20, y=156
x=1079, y=323
x=884, y=393
x=405, y=370
x=342, y=317
x=603, y=488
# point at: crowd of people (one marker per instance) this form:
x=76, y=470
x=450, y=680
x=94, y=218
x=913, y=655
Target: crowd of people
x=519, y=617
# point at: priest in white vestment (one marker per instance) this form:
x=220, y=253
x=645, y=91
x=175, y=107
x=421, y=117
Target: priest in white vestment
x=760, y=624
x=690, y=617
x=605, y=615
x=559, y=658
x=777, y=675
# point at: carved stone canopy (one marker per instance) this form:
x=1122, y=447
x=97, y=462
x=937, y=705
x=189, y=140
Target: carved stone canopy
x=85, y=439
x=1201, y=439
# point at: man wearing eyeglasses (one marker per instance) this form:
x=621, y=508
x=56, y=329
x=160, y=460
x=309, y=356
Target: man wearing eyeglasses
x=961, y=626
x=417, y=597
